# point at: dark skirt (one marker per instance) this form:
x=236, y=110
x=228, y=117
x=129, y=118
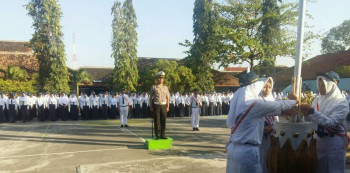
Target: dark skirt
x=137, y=111
x=171, y=112
x=94, y=112
x=52, y=112
x=204, y=109
x=64, y=112
x=74, y=112
x=145, y=113
x=113, y=112
x=25, y=113
x=41, y=113
x=181, y=110
x=2, y=114
x=85, y=113
x=104, y=111
x=11, y=113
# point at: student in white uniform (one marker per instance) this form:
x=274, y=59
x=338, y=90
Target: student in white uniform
x=2, y=108
x=114, y=104
x=52, y=106
x=269, y=121
x=196, y=104
x=41, y=106
x=123, y=108
x=63, y=106
x=246, y=122
x=12, y=108
x=73, y=107
x=328, y=113
x=24, y=107
x=94, y=103
x=85, y=107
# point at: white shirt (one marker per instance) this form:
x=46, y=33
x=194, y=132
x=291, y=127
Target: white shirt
x=63, y=100
x=94, y=101
x=52, y=100
x=40, y=101
x=126, y=101
x=85, y=101
x=73, y=101
x=12, y=101
x=104, y=100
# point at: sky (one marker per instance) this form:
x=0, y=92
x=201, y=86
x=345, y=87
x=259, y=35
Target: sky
x=162, y=24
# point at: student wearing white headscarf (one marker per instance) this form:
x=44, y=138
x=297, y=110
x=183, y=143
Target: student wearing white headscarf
x=269, y=121
x=328, y=113
x=246, y=122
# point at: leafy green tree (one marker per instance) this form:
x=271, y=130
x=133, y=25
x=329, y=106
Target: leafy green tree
x=17, y=86
x=79, y=76
x=177, y=78
x=14, y=73
x=256, y=32
x=344, y=71
x=124, y=43
x=203, y=51
x=48, y=46
x=337, y=39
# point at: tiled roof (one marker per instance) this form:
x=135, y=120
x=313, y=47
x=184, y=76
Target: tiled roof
x=236, y=69
x=321, y=63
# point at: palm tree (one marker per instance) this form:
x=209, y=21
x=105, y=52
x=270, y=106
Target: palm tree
x=14, y=73
x=79, y=76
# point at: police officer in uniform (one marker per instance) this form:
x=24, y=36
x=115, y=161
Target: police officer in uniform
x=159, y=105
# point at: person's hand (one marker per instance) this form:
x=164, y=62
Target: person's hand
x=268, y=129
x=167, y=109
x=293, y=97
x=304, y=108
x=291, y=111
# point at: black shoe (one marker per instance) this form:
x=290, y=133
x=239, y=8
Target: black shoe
x=194, y=129
x=157, y=137
x=121, y=126
x=197, y=129
x=163, y=137
x=126, y=126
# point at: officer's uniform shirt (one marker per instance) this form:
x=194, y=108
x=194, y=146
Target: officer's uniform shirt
x=85, y=101
x=159, y=93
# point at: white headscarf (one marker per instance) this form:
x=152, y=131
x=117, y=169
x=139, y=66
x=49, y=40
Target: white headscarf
x=270, y=96
x=244, y=97
x=332, y=98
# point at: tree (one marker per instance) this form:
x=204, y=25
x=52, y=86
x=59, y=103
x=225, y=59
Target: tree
x=203, y=51
x=48, y=46
x=124, y=43
x=14, y=73
x=79, y=76
x=177, y=78
x=337, y=39
x=343, y=71
x=256, y=32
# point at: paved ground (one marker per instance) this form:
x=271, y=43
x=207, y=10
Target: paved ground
x=102, y=146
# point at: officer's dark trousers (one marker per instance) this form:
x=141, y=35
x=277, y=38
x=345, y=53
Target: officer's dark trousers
x=160, y=115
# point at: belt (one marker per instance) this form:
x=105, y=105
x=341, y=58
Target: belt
x=247, y=143
x=195, y=107
x=122, y=106
x=159, y=103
